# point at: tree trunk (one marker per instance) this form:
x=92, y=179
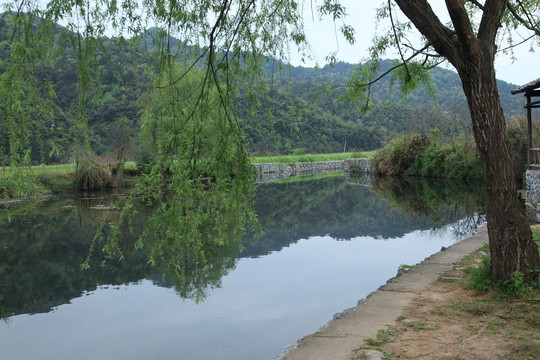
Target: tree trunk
x=510, y=240
x=473, y=55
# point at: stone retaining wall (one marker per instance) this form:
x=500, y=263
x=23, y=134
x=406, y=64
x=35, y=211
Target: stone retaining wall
x=533, y=185
x=270, y=171
x=532, y=180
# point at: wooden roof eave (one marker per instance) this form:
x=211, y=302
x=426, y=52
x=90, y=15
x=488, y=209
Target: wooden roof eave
x=530, y=88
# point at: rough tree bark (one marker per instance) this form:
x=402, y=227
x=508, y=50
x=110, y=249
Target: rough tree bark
x=511, y=245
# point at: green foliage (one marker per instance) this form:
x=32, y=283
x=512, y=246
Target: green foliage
x=433, y=159
x=518, y=286
x=480, y=276
x=527, y=351
x=372, y=344
x=399, y=154
x=386, y=335
x=87, y=90
x=403, y=268
x=17, y=185
x=360, y=155
x=462, y=161
x=417, y=155
x=56, y=183
x=197, y=178
x=26, y=98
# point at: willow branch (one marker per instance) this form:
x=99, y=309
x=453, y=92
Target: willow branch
x=394, y=67
x=397, y=39
x=422, y=51
x=518, y=44
x=528, y=23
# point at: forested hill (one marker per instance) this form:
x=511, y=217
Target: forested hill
x=303, y=108
x=308, y=110
x=447, y=85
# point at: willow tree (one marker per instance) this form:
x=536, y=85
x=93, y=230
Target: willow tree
x=197, y=177
x=227, y=40
x=469, y=41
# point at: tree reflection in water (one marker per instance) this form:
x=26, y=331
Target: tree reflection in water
x=43, y=244
x=440, y=200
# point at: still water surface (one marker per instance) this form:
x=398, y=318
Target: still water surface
x=326, y=245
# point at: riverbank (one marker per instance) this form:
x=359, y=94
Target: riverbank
x=58, y=179
x=428, y=313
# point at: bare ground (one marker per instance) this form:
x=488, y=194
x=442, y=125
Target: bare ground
x=449, y=321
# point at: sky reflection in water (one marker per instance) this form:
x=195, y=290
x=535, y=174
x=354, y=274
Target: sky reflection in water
x=268, y=301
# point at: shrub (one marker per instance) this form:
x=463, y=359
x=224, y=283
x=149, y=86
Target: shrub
x=416, y=155
x=433, y=161
x=357, y=155
x=463, y=162
x=399, y=154
x=519, y=286
x=56, y=183
x=480, y=277
x=91, y=175
x=17, y=185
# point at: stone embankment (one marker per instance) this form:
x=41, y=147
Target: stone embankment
x=532, y=179
x=269, y=171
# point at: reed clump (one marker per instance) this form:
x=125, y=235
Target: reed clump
x=91, y=174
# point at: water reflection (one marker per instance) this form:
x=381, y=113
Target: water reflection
x=332, y=206
x=44, y=244
x=269, y=291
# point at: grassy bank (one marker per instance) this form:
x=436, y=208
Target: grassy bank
x=47, y=179
x=42, y=179
x=453, y=320
x=295, y=159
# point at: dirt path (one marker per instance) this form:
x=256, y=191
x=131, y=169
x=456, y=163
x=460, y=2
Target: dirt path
x=449, y=321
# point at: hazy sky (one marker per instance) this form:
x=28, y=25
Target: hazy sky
x=361, y=15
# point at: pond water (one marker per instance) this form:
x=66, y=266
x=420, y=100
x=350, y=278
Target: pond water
x=326, y=245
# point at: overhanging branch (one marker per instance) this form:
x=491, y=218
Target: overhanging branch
x=528, y=23
x=394, y=67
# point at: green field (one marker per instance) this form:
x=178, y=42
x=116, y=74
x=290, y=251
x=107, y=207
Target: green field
x=294, y=159
x=58, y=169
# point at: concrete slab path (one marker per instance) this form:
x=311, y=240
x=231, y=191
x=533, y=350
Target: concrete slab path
x=348, y=332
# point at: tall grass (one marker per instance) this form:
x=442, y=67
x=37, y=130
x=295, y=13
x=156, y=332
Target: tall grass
x=399, y=154
x=418, y=155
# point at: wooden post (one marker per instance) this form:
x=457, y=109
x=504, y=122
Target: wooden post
x=529, y=130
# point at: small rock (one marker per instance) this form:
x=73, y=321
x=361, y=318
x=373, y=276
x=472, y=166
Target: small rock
x=361, y=301
x=369, y=355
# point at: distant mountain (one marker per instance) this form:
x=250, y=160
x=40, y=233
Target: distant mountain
x=304, y=109
x=447, y=84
